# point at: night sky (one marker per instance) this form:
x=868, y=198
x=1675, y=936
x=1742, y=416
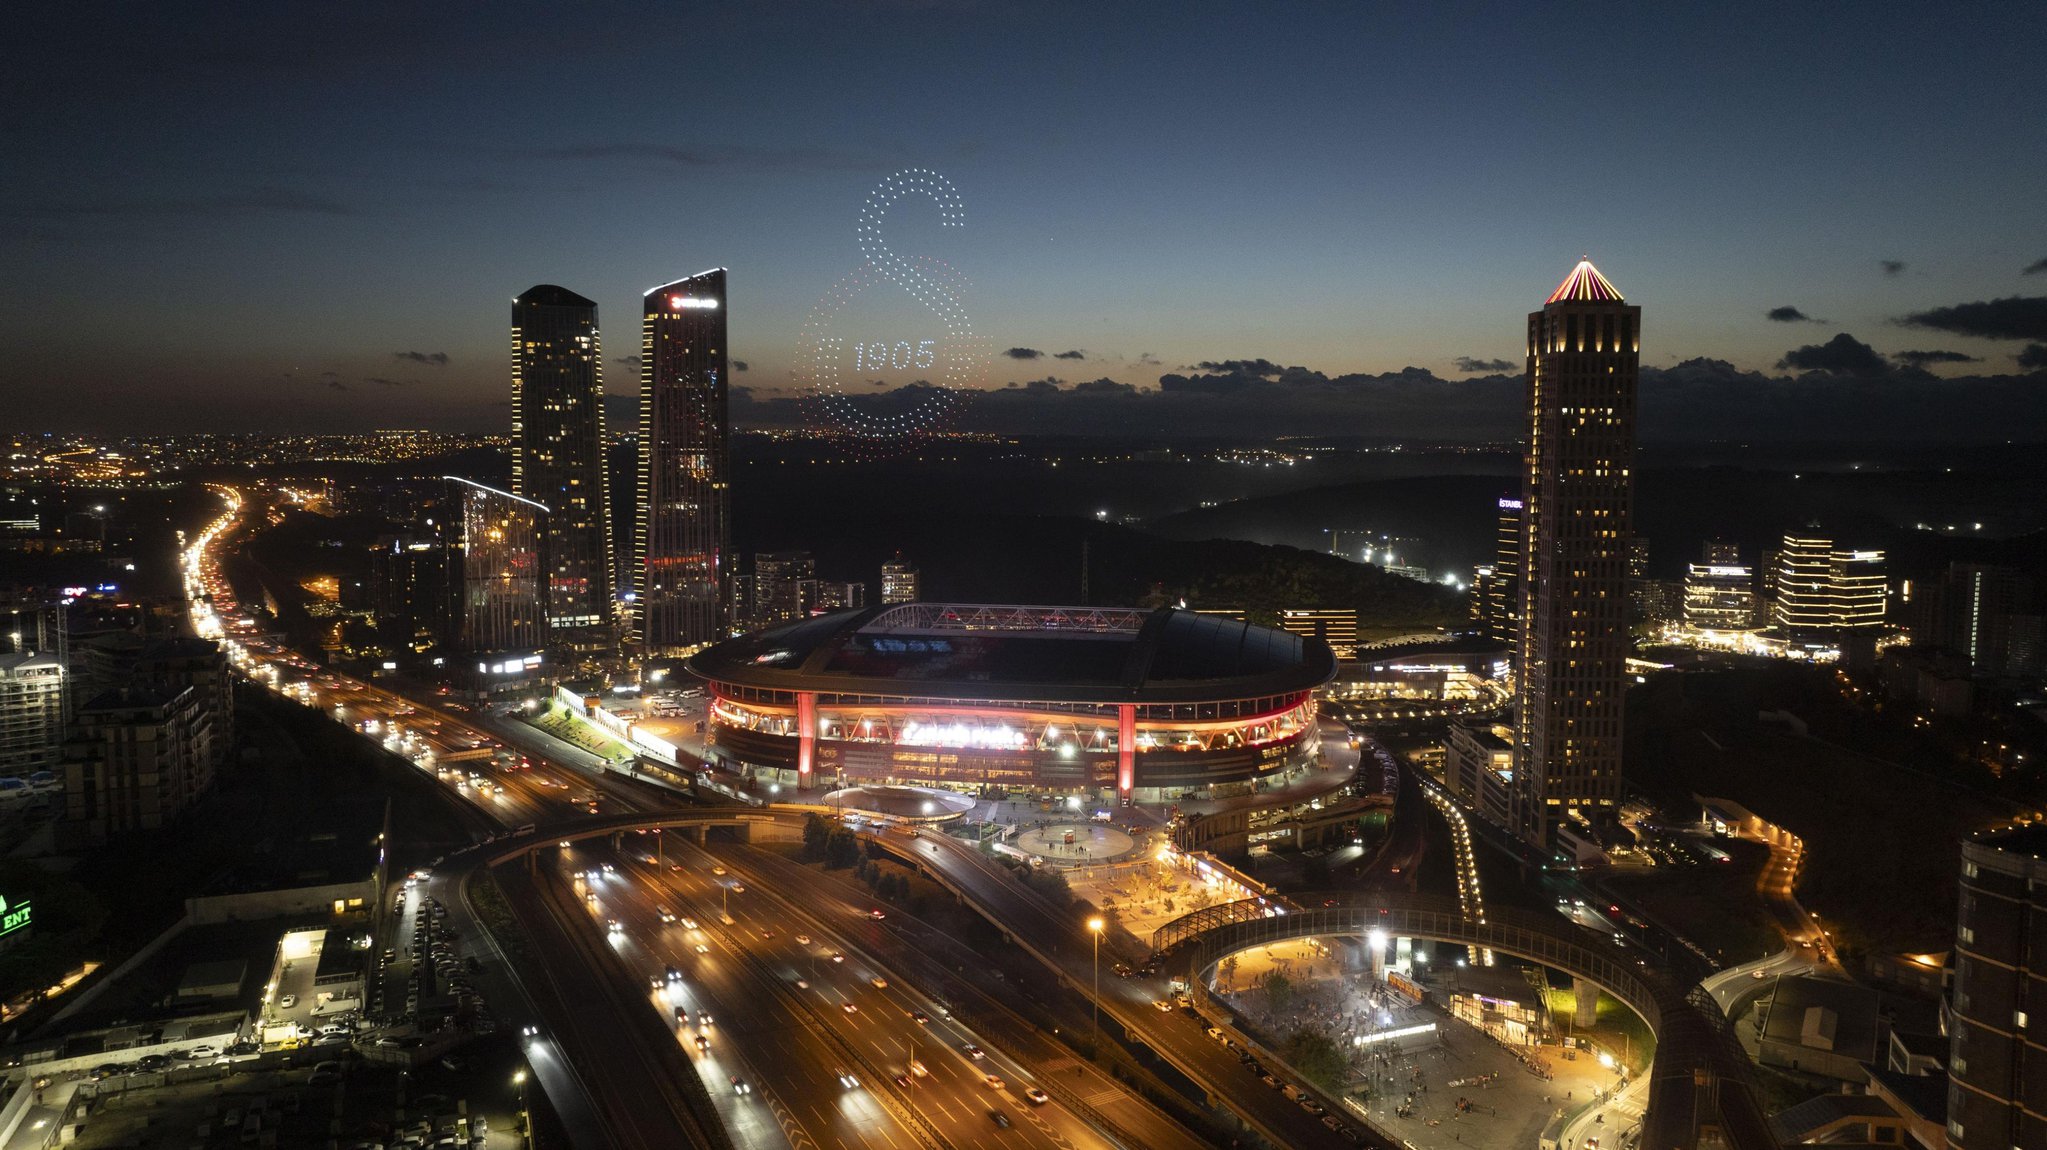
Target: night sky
x=285, y=217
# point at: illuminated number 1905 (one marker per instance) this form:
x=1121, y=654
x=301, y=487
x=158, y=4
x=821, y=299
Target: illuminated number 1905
x=899, y=356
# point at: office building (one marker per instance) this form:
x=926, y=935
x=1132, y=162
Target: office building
x=410, y=596
x=136, y=757
x=1478, y=765
x=899, y=582
x=500, y=587
x=1997, y=1091
x=31, y=712
x=1720, y=593
x=1496, y=586
x=1578, y=496
x=682, y=544
x=1984, y=613
x=1825, y=590
x=1335, y=627
x=831, y=596
x=779, y=586
x=558, y=461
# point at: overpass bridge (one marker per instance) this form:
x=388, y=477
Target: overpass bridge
x=1702, y=1090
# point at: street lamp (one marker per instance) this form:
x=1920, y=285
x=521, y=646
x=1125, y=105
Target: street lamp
x=525, y=1119
x=1095, y=926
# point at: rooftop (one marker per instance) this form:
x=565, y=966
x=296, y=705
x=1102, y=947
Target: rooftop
x=1013, y=653
x=548, y=295
x=1585, y=285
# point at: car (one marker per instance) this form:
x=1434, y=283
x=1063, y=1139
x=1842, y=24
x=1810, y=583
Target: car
x=718, y=870
x=803, y=984
x=287, y=1002
x=994, y=1083
x=851, y=1008
x=656, y=981
x=590, y=897
x=702, y=949
x=1163, y=1006
x=1269, y=1080
x=1332, y=1122
x=1037, y=1096
x=767, y=932
x=689, y=923
x=903, y=1080
x=671, y=974
x=972, y=1051
x=739, y=1086
x=152, y=1062
x=919, y=1017
x=1758, y=975
x=878, y=982
x=738, y=888
x=615, y=927
x=1000, y=1119
x=703, y=1018
x=845, y=1079
x=665, y=914
x=703, y=1042
x=682, y=1014
x=917, y=1068
x=838, y=956
x=803, y=940
x=455, y=1063
x=876, y=913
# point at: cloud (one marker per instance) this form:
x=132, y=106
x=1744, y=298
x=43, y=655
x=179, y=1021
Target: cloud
x=1892, y=267
x=699, y=158
x=387, y=382
x=2035, y=266
x=436, y=358
x=1145, y=357
x=336, y=384
x=2034, y=358
x=628, y=360
x=1075, y=354
x=1104, y=386
x=2014, y=317
x=1468, y=364
x=1023, y=353
x=739, y=365
x=1922, y=358
x=1788, y=314
x=218, y=205
x=1841, y=355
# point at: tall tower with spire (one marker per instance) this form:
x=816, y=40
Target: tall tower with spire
x=1578, y=501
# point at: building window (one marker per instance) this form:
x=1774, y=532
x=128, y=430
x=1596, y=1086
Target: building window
x=1967, y=934
x=2018, y=1019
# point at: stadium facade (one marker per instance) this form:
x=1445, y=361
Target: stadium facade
x=1148, y=704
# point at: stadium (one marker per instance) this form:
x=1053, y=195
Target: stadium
x=1152, y=705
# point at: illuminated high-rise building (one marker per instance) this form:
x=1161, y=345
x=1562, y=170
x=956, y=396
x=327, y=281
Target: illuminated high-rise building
x=1720, y=593
x=1824, y=590
x=501, y=571
x=1578, y=496
x=558, y=460
x=1496, y=586
x=682, y=544
x=899, y=581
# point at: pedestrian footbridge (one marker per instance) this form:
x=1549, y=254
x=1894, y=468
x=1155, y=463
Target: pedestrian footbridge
x=1702, y=1090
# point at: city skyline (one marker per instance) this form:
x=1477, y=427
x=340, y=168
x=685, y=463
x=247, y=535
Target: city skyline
x=1443, y=135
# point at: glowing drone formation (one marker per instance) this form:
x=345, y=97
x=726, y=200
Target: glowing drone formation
x=958, y=357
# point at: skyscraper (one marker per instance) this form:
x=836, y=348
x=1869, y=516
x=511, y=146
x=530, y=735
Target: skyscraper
x=898, y=581
x=682, y=545
x=1578, y=496
x=558, y=460
x=1720, y=594
x=501, y=565
x=1996, y=1093
x=1496, y=586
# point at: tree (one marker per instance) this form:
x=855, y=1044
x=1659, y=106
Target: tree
x=1279, y=991
x=1315, y=1057
x=841, y=849
x=816, y=832
x=1229, y=971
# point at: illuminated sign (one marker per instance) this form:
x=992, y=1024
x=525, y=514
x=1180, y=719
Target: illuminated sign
x=1510, y=504
x=901, y=355
x=13, y=917
x=1866, y=556
x=1731, y=572
x=692, y=303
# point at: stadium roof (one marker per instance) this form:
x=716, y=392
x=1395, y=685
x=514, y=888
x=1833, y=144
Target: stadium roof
x=1022, y=654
